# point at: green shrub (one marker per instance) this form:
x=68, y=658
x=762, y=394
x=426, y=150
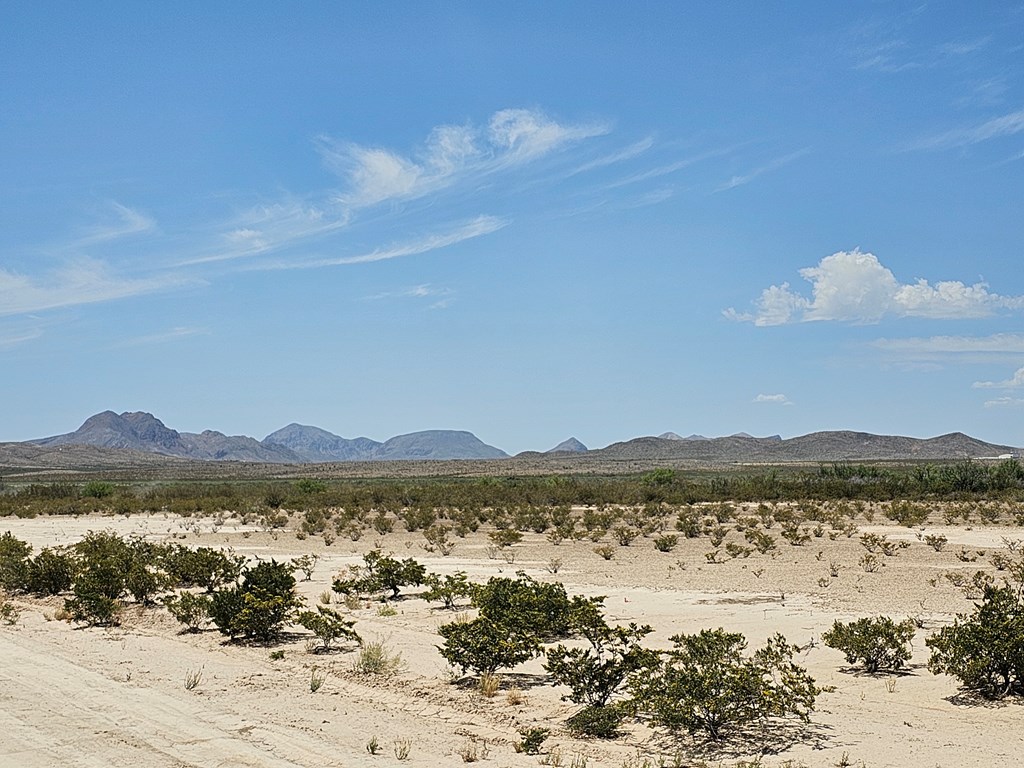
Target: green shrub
x=706, y=684
x=907, y=513
x=309, y=485
x=225, y=605
x=261, y=606
x=306, y=563
x=96, y=593
x=485, y=646
x=190, y=609
x=505, y=537
x=51, y=572
x=763, y=542
x=880, y=644
x=97, y=489
x=115, y=566
x=599, y=722
x=14, y=555
x=595, y=674
x=201, y=567
x=536, y=608
x=985, y=650
x=383, y=574
x=447, y=589
x=532, y=740
x=329, y=626
x=666, y=543
x=9, y=612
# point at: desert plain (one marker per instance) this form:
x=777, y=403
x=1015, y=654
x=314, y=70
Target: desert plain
x=117, y=696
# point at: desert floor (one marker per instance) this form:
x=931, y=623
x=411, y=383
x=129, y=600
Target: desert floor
x=116, y=697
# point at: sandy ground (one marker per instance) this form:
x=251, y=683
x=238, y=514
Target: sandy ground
x=116, y=697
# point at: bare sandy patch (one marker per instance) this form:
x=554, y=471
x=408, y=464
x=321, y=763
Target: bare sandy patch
x=92, y=697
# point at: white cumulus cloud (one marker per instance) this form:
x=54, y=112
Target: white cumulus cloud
x=855, y=287
x=1014, y=382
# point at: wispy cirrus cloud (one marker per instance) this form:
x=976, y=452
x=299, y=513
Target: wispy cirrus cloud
x=776, y=399
x=1009, y=124
x=374, y=175
x=481, y=225
x=1005, y=402
x=83, y=281
x=415, y=292
x=964, y=47
x=263, y=229
x=997, y=344
x=174, y=334
x=14, y=338
x=773, y=165
x=281, y=234
x=627, y=153
x=855, y=287
x=669, y=168
x=118, y=221
x=887, y=56
x=441, y=298
x=893, y=41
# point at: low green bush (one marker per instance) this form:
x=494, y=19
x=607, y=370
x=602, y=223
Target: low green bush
x=706, y=684
x=879, y=644
x=985, y=650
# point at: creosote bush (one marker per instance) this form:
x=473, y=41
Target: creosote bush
x=515, y=617
x=985, y=650
x=593, y=675
x=14, y=557
x=447, y=589
x=484, y=646
x=190, y=609
x=383, y=574
x=599, y=722
x=880, y=644
x=539, y=608
x=706, y=684
x=260, y=606
x=329, y=626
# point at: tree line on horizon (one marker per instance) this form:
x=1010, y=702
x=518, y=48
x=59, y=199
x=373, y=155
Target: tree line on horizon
x=964, y=480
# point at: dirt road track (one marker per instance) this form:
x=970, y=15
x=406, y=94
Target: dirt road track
x=54, y=711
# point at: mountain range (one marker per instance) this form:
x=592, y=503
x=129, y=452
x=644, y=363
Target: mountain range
x=299, y=444
x=293, y=444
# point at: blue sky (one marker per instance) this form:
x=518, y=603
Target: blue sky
x=528, y=220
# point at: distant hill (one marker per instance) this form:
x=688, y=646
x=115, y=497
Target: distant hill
x=572, y=445
x=140, y=431
x=817, y=446
x=674, y=436
x=437, y=444
x=315, y=444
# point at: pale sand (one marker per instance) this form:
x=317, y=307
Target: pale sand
x=94, y=697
